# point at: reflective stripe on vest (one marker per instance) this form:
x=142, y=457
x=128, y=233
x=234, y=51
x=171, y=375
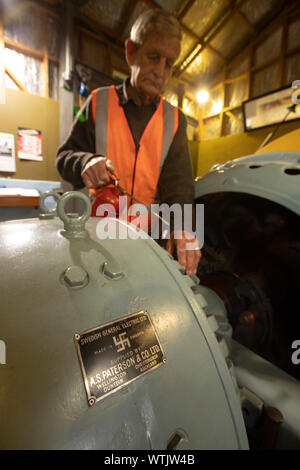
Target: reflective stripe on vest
x=114, y=140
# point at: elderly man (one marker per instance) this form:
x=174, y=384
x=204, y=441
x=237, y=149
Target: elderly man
x=144, y=136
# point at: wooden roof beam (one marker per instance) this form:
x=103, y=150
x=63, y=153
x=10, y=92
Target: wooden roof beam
x=126, y=18
x=205, y=44
x=187, y=5
x=15, y=80
x=252, y=30
x=224, y=20
x=277, y=20
x=99, y=38
x=96, y=27
x=189, y=32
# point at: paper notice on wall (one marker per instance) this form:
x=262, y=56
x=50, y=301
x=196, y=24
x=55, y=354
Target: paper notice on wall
x=2, y=74
x=7, y=153
x=29, y=144
x=2, y=67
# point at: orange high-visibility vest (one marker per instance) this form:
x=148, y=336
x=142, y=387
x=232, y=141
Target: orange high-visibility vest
x=138, y=170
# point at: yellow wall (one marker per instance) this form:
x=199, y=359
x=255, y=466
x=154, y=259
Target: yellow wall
x=32, y=111
x=290, y=142
x=227, y=148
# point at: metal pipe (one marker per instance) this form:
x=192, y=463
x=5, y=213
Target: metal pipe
x=68, y=72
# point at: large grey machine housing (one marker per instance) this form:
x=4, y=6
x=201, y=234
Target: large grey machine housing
x=77, y=310
x=109, y=345
x=251, y=259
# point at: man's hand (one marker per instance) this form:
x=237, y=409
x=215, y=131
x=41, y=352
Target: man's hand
x=95, y=174
x=188, y=251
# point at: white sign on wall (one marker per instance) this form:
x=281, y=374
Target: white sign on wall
x=2, y=75
x=7, y=153
x=29, y=144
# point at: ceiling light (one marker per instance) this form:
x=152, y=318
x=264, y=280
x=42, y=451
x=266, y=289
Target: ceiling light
x=202, y=96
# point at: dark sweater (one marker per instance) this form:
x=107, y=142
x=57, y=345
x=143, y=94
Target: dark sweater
x=175, y=183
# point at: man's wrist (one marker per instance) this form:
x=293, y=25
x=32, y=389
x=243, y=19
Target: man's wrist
x=92, y=160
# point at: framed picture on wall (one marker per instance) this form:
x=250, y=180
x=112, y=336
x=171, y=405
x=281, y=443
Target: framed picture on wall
x=7, y=153
x=272, y=108
x=29, y=144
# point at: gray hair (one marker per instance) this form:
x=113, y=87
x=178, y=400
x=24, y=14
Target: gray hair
x=154, y=20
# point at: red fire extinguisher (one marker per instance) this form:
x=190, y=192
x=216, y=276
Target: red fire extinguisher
x=109, y=195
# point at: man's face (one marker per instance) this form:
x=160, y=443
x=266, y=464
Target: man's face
x=151, y=64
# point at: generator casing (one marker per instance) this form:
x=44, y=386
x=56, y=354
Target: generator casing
x=272, y=176
x=61, y=280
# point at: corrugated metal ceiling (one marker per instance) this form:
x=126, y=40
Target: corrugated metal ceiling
x=203, y=14
x=214, y=31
